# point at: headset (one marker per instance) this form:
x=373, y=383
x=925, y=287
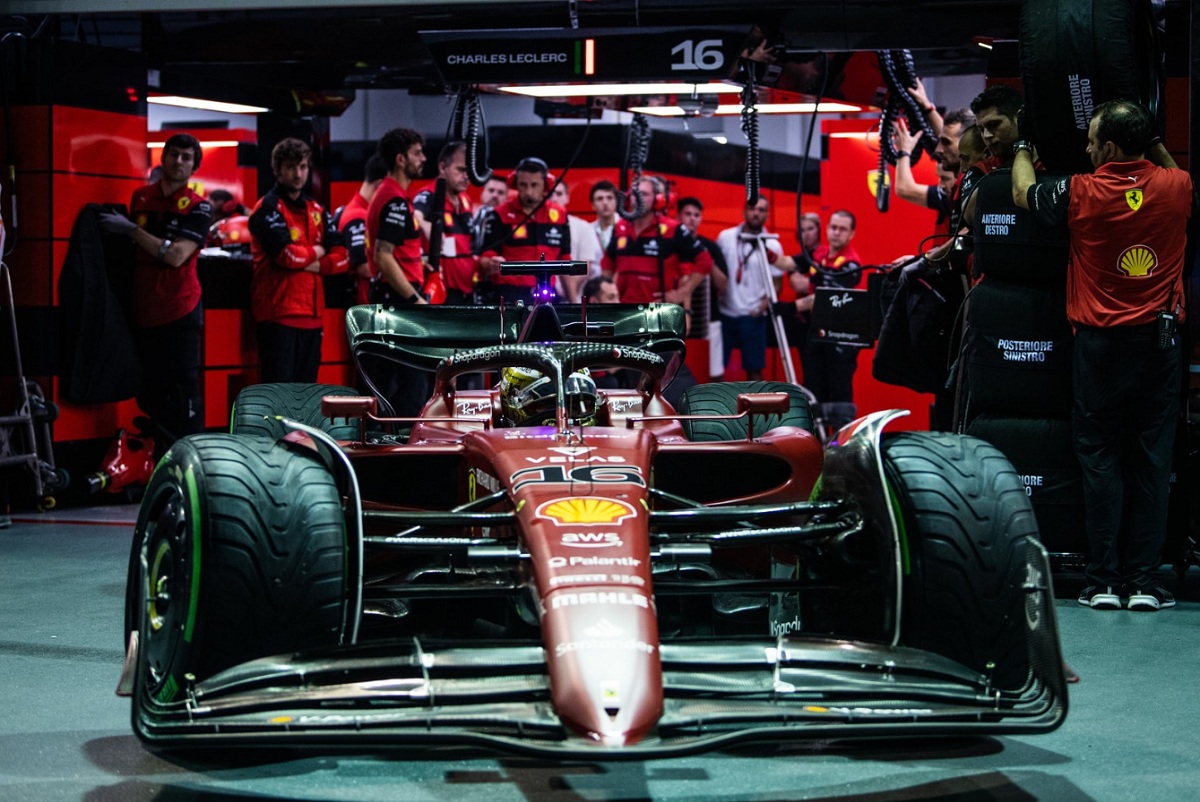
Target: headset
x=662, y=193
x=532, y=164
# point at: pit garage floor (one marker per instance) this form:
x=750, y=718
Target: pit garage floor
x=1131, y=734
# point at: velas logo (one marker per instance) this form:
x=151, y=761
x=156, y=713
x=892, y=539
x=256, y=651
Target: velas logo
x=585, y=510
x=1137, y=261
x=1134, y=198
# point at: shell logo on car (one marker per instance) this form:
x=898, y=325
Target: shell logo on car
x=585, y=510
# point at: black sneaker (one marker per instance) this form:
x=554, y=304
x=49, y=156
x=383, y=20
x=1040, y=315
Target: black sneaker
x=1100, y=597
x=1151, y=598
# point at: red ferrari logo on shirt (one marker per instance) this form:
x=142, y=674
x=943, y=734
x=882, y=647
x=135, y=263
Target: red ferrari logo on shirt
x=316, y=218
x=183, y=203
x=553, y=215
x=520, y=233
x=1134, y=198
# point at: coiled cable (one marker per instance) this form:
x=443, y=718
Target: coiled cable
x=637, y=152
x=750, y=129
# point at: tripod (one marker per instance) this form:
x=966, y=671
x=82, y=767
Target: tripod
x=785, y=351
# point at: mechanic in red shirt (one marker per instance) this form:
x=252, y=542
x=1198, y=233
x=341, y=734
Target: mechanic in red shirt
x=654, y=258
x=829, y=367
x=397, y=261
x=170, y=223
x=351, y=221
x=1128, y=227
x=459, y=264
x=526, y=228
x=293, y=244
x=393, y=236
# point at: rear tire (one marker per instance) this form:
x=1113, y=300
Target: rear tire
x=721, y=399
x=256, y=407
x=967, y=524
x=239, y=553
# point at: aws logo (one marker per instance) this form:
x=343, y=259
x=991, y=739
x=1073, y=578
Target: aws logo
x=1137, y=261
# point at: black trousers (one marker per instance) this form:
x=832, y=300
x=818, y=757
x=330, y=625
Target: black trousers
x=829, y=370
x=170, y=356
x=1124, y=415
x=288, y=354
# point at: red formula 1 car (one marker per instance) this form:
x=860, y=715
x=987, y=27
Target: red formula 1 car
x=549, y=568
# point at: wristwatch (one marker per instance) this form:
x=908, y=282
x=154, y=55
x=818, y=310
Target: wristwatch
x=1022, y=144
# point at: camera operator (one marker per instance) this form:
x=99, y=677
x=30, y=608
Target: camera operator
x=1127, y=222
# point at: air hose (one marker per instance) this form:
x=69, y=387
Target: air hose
x=637, y=152
x=900, y=74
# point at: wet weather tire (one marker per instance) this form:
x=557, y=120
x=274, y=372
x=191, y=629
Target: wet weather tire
x=721, y=399
x=1077, y=54
x=256, y=407
x=239, y=553
x=967, y=524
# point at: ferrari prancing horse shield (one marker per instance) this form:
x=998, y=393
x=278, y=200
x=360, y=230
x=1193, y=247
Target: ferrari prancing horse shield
x=1134, y=198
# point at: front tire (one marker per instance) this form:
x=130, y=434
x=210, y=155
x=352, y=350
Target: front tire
x=966, y=524
x=239, y=553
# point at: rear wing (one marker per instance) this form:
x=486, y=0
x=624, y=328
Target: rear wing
x=422, y=336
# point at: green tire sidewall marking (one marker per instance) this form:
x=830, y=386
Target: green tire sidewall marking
x=232, y=417
x=189, y=478
x=894, y=500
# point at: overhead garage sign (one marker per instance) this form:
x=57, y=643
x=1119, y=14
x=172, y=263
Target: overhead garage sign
x=554, y=55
